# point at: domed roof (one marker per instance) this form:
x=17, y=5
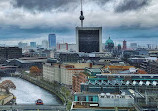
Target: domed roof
x=119, y=44
x=109, y=41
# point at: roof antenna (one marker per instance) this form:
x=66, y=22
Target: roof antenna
x=81, y=16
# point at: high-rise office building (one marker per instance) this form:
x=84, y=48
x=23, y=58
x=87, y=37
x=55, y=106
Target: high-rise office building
x=45, y=44
x=133, y=45
x=22, y=45
x=33, y=44
x=89, y=39
x=52, y=40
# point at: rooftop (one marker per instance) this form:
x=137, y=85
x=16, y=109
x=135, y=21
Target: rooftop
x=109, y=41
x=94, y=106
x=119, y=67
x=148, y=75
x=94, y=69
x=31, y=60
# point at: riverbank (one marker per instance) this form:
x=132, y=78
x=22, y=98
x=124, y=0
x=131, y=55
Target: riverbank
x=6, y=98
x=61, y=92
x=27, y=93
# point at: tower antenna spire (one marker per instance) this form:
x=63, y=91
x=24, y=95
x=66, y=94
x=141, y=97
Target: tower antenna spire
x=81, y=16
x=81, y=5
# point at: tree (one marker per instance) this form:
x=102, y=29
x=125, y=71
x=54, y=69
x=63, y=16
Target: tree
x=7, y=85
x=34, y=70
x=141, y=72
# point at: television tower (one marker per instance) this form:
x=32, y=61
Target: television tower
x=81, y=16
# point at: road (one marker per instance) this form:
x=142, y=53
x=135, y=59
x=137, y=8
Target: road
x=32, y=107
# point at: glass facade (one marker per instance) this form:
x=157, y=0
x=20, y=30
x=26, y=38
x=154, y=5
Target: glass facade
x=33, y=44
x=88, y=41
x=52, y=40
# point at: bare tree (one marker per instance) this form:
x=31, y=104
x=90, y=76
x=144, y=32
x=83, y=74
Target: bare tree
x=7, y=85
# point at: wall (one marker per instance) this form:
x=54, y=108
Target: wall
x=6, y=100
x=59, y=73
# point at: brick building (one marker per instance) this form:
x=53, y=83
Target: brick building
x=77, y=79
x=62, y=73
x=117, y=69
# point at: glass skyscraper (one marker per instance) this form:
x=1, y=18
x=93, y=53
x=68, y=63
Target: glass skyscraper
x=33, y=44
x=52, y=40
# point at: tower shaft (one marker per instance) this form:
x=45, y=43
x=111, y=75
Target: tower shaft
x=81, y=16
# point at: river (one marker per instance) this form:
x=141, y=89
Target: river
x=28, y=93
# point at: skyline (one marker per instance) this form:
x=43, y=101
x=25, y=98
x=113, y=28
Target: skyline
x=130, y=20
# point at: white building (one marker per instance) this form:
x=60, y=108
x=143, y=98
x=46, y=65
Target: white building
x=133, y=45
x=45, y=44
x=62, y=73
x=22, y=45
x=115, y=100
x=64, y=47
x=51, y=72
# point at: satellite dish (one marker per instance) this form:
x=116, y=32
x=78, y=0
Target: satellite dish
x=102, y=94
x=108, y=94
x=141, y=83
x=154, y=83
x=127, y=83
x=147, y=83
x=123, y=93
x=134, y=83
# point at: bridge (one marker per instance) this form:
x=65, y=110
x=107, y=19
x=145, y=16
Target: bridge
x=33, y=107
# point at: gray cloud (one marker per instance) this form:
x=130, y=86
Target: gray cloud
x=101, y=2
x=59, y=5
x=97, y=13
x=45, y=5
x=128, y=5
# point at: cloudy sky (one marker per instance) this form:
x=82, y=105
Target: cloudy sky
x=33, y=20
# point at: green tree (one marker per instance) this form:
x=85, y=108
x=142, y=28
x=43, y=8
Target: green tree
x=35, y=71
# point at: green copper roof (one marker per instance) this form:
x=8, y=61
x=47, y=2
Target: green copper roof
x=109, y=41
x=119, y=44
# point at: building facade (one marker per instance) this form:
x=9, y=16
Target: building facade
x=51, y=72
x=153, y=54
x=10, y=53
x=83, y=77
x=102, y=102
x=150, y=66
x=117, y=69
x=67, y=57
x=26, y=63
x=64, y=47
x=22, y=45
x=142, y=51
x=33, y=44
x=109, y=45
x=113, y=83
x=133, y=45
x=45, y=44
x=52, y=41
x=89, y=39
x=62, y=73
x=124, y=45
x=77, y=79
